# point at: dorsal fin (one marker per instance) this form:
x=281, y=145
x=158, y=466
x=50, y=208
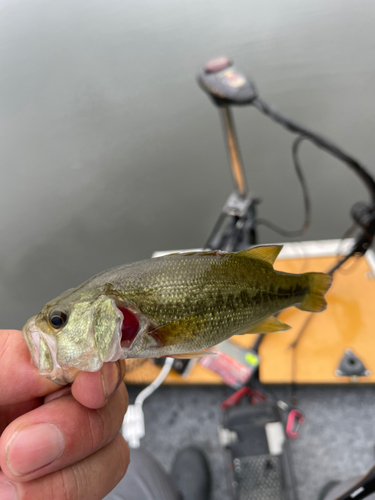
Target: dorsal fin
x=267, y=253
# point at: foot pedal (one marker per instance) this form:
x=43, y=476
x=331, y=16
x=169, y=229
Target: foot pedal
x=257, y=453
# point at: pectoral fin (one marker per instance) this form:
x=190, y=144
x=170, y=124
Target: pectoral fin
x=268, y=325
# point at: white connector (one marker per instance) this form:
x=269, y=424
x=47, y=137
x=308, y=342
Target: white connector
x=133, y=426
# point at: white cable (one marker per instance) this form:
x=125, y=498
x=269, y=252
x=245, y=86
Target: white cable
x=155, y=384
x=133, y=427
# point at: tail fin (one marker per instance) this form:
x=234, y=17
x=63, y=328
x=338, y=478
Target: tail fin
x=314, y=300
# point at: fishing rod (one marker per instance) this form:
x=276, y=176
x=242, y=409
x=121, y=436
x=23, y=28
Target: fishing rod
x=227, y=86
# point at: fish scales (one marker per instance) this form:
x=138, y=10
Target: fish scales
x=221, y=293
x=176, y=305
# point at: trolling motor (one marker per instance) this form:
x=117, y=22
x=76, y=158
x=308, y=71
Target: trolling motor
x=236, y=227
x=228, y=86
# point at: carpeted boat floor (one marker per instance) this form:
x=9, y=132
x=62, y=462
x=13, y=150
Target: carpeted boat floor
x=336, y=442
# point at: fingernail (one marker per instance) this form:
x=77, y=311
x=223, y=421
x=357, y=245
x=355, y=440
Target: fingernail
x=34, y=447
x=58, y=394
x=110, y=378
x=7, y=491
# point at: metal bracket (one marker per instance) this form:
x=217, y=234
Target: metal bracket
x=351, y=366
x=237, y=205
x=235, y=228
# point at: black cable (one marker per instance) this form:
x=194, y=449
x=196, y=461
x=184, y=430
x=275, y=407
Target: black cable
x=319, y=141
x=306, y=198
x=363, y=213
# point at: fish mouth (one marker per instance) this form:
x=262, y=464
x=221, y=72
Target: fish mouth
x=129, y=328
x=31, y=335
x=43, y=350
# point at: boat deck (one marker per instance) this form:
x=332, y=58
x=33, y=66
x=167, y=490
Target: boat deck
x=336, y=442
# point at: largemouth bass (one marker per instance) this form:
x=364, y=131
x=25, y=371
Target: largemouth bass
x=178, y=305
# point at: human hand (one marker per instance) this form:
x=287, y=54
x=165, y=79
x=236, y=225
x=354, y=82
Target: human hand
x=59, y=443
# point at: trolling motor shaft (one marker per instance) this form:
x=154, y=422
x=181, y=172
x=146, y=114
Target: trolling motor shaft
x=233, y=151
x=227, y=86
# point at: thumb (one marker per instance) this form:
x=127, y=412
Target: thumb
x=19, y=377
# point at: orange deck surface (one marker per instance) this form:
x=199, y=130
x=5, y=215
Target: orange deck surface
x=348, y=322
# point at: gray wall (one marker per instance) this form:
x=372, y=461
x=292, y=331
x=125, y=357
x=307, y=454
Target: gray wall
x=110, y=151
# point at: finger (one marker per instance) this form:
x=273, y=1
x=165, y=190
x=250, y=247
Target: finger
x=90, y=479
x=90, y=389
x=94, y=389
x=58, y=434
x=17, y=366
x=11, y=412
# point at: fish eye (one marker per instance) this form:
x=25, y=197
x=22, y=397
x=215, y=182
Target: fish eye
x=57, y=319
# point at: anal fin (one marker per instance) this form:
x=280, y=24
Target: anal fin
x=268, y=325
